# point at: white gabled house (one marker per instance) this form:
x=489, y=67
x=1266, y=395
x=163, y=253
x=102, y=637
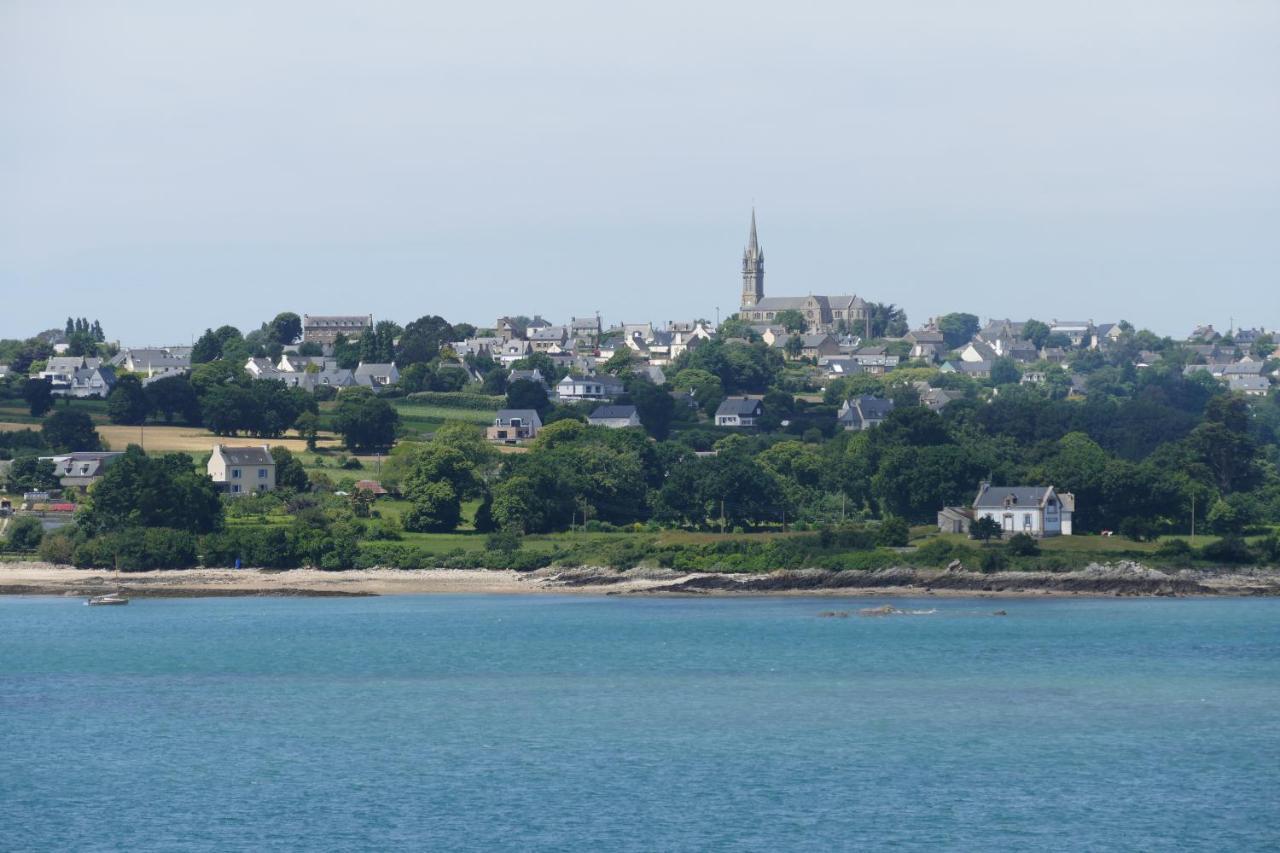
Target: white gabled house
x=1035, y=510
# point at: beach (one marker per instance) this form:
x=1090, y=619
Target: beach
x=34, y=578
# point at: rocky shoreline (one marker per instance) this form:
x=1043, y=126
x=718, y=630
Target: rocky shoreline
x=1119, y=579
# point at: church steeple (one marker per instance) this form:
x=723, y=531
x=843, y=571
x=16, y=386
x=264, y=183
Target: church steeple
x=752, y=268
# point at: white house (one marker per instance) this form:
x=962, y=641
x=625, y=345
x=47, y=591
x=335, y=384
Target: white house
x=241, y=470
x=1035, y=510
x=739, y=412
x=579, y=387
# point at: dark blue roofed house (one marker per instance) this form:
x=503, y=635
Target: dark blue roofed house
x=863, y=412
x=1034, y=510
x=739, y=412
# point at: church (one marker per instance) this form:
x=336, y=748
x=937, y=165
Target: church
x=823, y=313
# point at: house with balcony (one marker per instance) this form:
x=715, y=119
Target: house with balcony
x=513, y=426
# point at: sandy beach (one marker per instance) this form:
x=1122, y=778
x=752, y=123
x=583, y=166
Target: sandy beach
x=1124, y=579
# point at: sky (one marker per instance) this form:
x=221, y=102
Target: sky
x=167, y=167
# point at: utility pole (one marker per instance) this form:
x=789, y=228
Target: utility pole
x=1193, y=518
x=722, y=516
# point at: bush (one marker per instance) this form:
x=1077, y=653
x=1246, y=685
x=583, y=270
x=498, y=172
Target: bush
x=57, y=548
x=1228, y=549
x=24, y=534
x=506, y=541
x=1269, y=550
x=1174, y=548
x=459, y=400
x=993, y=560
x=935, y=552
x=1022, y=545
x=893, y=533
x=138, y=550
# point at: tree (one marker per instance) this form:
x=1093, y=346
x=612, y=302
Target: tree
x=794, y=346
x=70, y=431
x=285, y=328
x=213, y=344
x=142, y=491
x=985, y=528
x=887, y=320
x=527, y=394
x=620, y=362
x=1004, y=371
x=421, y=340
x=289, y=471
x=365, y=421
x=39, y=396
x=308, y=426
x=1022, y=545
x=791, y=320
x=25, y=534
x=958, y=329
x=173, y=396
x=1036, y=332
x=127, y=403
x=31, y=474
x=654, y=406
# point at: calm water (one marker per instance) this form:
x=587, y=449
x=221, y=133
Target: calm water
x=485, y=723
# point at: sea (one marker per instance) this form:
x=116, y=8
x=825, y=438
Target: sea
x=611, y=723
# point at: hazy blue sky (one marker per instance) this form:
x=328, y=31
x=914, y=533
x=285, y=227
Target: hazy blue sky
x=167, y=166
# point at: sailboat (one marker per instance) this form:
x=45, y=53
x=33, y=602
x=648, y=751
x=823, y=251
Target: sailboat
x=110, y=598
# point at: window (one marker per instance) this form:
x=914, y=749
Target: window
x=1026, y=521
x=235, y=488
x=262, y=473
x=235, y=473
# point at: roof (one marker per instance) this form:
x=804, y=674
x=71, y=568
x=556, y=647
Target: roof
x=609, y=413
x=370, y=486
x=505, y=416
x=83, y=463
x=257, y=454
x=337, y=320
x=993, y=497
x=739, y=406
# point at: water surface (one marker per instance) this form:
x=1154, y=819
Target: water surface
x=546, y=723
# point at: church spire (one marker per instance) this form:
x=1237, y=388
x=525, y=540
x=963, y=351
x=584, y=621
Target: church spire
x=752, y=268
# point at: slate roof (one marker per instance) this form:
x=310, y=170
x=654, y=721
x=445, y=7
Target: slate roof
x=739, y=406
x=526, y=416
x=993, y=497
x=252, y=455
x=609, y=413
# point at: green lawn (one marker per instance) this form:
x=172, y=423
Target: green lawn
x=17, y=411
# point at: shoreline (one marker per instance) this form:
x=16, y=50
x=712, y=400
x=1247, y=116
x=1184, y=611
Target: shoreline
x=1125, y=579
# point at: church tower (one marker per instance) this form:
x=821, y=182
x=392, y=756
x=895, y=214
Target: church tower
x=752, y=268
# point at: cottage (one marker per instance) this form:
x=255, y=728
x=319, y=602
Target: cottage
x=955, y=519
x=1035, y=510
x=1252, y=386
x=739, y=412
x=83, y=469
x=614, y=417
x=241, y=470
x=863, y=412
x=87, y=382
x=153, y=361
x=374, y=375
x=512, y=426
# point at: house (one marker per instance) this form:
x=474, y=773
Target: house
x=310, y=380
x=83, y=469
x=1253, y=386
x=514, y=350
x=739, y=412
x=815, y=346
x=584, y=332
x=241, y=470
x=374, y=375
x=324, y=330
x=598, y=387
x=975, y=352
x=512, y=426
x=291, y=362
x=1023, y=352
x=548, y=338
x=834, y=367
x=373, y=487
x=1079, y=332
x=1035, y=510
x=927, y=344
x=4, y=371
x=937, y=399
x=153, y=361
x=863, y=412
x=88, y=382
x=954, y=519
x=1000, y=333
x=614, y=417
x=534, y=375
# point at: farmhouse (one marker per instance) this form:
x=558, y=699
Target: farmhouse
x=1034, y=510
x=739, y=412
x=241, y=470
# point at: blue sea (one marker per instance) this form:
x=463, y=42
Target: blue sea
x=550, y=723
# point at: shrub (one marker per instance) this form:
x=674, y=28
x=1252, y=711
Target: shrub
x=993, y=560
x=1022, y=545
x=1269, y=549
x=505, y=540
x=1228, y=549
x=1174, y=548
x=893, y=533
x=25, y=534
x=935, y=552
x=57, y=548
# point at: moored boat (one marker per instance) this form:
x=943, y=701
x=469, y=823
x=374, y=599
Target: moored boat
x=109, y=598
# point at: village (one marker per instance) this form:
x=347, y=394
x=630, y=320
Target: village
x=836, y=411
